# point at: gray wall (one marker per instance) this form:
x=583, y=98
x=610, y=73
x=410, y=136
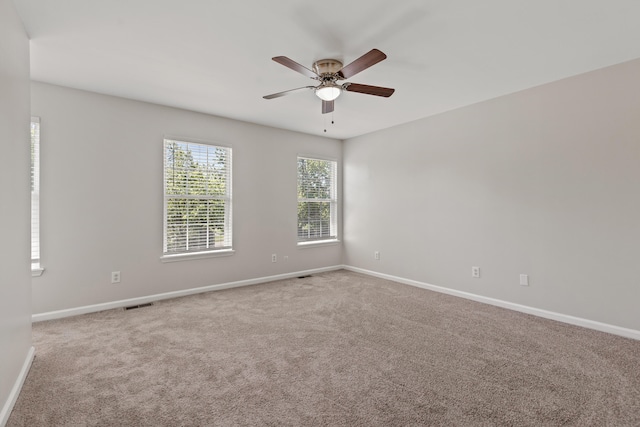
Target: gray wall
x=543, y=182
x=102, y=200
x=15, y=289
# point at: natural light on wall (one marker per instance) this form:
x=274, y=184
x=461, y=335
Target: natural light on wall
x=197, y=200
x=36, y=269
x=317, y=200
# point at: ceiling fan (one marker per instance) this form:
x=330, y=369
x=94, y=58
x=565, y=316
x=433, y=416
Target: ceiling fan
x=329, y=72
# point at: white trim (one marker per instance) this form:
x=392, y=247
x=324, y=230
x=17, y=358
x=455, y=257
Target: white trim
x=40, y=317
x=334, y=196
x=17, y=386
x=196, y=255
x=227, y=198
x=319, y=157
x=315, y=243
x=205, y=141
x=585, y=323
x=578, y=321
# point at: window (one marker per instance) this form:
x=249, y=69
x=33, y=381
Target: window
x=197, y=198
x=317, y=200
x=35, y=196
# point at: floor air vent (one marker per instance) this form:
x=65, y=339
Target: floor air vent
x=132, y=307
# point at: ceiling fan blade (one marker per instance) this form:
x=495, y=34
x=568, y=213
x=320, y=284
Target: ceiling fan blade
x=365, y=61
x=369, y=90
x=287, y=92
x=327, y=107
x=289, y=63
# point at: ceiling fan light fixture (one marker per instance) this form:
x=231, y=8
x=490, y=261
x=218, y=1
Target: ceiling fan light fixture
x=328, y=92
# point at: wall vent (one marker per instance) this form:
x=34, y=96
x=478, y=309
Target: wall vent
x=132, y=307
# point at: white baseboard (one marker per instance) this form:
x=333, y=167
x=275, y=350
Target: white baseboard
x=586, y=323
x=150, y=298
x=17, y=386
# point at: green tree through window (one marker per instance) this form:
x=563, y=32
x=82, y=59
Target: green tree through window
x=197, y=186
x=317, y=200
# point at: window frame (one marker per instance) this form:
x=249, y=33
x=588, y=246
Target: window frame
x=333, y=200
x=209, y=251
x=36, y=255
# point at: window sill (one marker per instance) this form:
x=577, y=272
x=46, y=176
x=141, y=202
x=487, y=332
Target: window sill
x=196, y=255
x=37, y=272
x=316, y=243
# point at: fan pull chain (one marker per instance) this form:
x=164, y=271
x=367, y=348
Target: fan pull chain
x=325, y=122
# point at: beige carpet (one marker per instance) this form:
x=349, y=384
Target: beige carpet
x=337, y=348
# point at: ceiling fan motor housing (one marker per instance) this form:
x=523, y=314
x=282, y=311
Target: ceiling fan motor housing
x=326, y=67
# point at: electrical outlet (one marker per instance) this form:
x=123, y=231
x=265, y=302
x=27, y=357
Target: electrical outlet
x=286, y=258
x=475, y=272
x=376, y=255
x=274, y=258
x=524, y=280
x=115, y=277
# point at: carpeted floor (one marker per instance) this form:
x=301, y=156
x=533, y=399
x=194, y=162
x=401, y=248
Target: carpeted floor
x=337, y=348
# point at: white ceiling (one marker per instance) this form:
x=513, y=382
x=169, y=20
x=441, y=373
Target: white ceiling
x=215, y=56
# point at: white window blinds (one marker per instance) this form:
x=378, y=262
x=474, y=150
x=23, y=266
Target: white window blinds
x=35, y=193
x=317, y=200
x=197, y=197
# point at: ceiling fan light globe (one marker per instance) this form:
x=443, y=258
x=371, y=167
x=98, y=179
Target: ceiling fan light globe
x=328, y=93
